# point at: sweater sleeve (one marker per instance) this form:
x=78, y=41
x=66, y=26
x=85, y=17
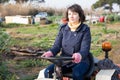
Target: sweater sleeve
x=86, y=42
x=58, y=42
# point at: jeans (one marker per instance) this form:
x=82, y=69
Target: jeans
x=78, y=70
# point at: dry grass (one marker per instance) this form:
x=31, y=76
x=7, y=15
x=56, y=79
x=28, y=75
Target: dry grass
x=23, y=9
x=16, y=9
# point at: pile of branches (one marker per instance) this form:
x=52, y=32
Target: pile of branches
x=18, y=53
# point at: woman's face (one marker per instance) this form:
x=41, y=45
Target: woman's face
x=73, y=17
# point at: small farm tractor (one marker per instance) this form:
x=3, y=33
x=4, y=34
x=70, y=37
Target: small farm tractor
x=98, y=70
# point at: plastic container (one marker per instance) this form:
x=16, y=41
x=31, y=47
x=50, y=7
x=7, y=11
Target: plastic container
x=102, y=19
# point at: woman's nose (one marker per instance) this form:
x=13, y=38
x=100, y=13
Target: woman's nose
x=71, y=15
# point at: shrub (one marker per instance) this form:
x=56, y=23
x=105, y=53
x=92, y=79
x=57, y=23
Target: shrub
x=116, y=17
x=113, y=17
x=5, y=74
x=4, y=41
x=110, y=18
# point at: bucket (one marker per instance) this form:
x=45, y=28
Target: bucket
x=101, y=19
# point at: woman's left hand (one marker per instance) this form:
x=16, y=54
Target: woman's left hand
x=77, y=57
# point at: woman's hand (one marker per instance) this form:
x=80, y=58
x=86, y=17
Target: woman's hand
x=77, y=57
x=47, y=54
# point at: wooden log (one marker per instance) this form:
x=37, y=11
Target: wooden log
x=14, y=49
x=27, y=50
x=23, y=50
x=23, y=53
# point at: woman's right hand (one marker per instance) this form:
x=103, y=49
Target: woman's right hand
x=47, y=54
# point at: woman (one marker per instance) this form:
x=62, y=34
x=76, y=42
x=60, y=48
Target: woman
x=73, y=40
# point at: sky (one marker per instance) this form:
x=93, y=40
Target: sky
x=66, y=3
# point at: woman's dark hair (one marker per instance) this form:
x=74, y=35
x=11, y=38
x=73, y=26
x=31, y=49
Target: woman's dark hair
x=76, y=8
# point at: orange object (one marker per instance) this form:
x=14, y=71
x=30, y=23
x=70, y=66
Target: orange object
x=64, y=20
x=106, y=46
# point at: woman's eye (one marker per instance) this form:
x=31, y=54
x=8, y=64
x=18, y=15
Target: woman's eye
x=72, y=13
x=69, y=13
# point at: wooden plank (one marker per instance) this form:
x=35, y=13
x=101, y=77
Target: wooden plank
x=105, y=74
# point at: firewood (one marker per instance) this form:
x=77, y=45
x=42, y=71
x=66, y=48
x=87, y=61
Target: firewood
x=22, y=53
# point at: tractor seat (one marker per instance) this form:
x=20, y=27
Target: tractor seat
x=89, y=72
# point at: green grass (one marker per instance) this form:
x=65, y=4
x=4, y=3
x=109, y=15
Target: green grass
x=39, y=36
x=12, y=25
x=32, y=63
x=5, y=74
x=29, y=77
x=96, y=51
x=99, y=24
x=115, y=42
x=36, y=29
